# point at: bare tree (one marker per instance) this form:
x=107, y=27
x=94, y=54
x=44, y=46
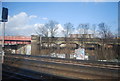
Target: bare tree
x=42, y=31
x=83, y=27
x=48, y=30
x=106, y=36
x=104, y=31
x=52, y=27
x=68, y=28
x=79, y=28
x=94, y=29
x=86, y=28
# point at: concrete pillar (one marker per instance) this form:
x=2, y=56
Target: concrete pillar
x=35, y=48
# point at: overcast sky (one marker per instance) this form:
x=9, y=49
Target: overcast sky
x=25, y=17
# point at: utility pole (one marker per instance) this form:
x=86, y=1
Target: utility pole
x=3, y=34
x=1, y=47
x=3, y=37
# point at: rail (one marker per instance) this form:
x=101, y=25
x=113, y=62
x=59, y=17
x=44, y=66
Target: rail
x=69, y=68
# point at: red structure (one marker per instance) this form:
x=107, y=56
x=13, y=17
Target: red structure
x=12, y=40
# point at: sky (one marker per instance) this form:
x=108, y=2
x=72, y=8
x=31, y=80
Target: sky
x=60, y=0
x=25, y=17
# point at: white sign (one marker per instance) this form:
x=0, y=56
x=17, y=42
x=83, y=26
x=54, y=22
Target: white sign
x=80, y=53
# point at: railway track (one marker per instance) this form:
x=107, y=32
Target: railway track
x=110, y=65
x=7, y=75
x=75, y=69
x=10, y=72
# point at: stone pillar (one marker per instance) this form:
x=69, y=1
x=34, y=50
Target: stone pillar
x=35, y=48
